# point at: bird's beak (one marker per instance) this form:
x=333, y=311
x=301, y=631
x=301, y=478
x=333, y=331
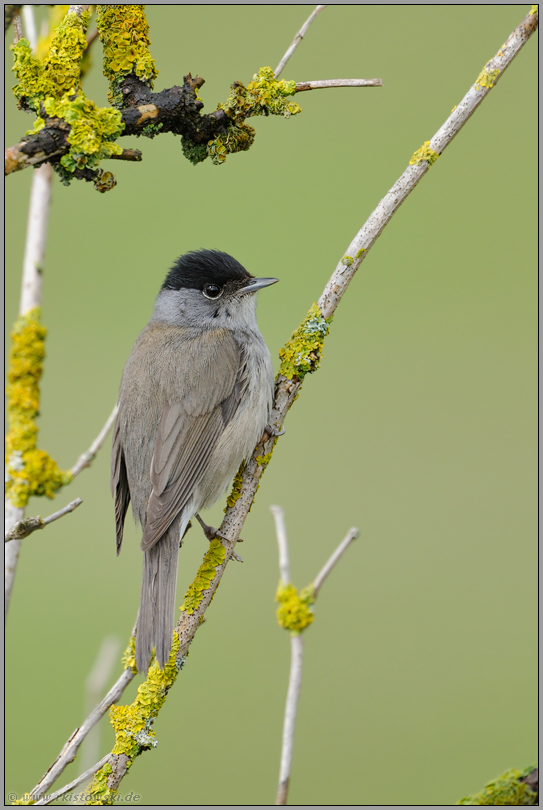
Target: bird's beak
x=255, y=284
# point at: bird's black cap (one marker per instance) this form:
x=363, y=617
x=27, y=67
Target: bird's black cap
x=198, y=268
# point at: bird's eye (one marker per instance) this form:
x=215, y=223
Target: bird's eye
x=211, y=291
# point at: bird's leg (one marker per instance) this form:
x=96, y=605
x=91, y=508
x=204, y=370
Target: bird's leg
x=210, y=532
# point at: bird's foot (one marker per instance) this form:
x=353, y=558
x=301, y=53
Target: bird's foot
x=236, y=557
x=271, y=431
x=211, y=533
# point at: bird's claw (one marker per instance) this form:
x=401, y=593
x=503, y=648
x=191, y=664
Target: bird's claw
x=271, y=431
x=211, y=533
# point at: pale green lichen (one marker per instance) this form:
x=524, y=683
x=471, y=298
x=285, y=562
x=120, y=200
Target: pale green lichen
x=506, y=790
x=206, y=573
x=265, y=95
x=124, y=34
x=303, y=352
x=487, y=78
x=424, y=154
x=52, y=87
x=29, y=471
x=263, y=461
x=294, y=612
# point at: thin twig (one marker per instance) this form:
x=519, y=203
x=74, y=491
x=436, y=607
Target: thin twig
x=18, y=32
x=320, y=85
x=51, y=797
x=71, y=747
x=281, y=532
x=128, y=154
x=91, y=37
x=94, y=686
x=27, y=526
x=352, y=534
x=78, y=9
x=289, y=724
x=69, y=751
x=297, y=39
x=30, y=26
x=85, y=459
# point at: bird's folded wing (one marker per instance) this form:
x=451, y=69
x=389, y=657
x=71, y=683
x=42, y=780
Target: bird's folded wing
x=119, y=484
x=187, y=433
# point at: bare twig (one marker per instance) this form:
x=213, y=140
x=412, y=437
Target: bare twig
x=128, y=154
x=289, y=724
x=71, y=747
x=281, y=532
x=85, y=459
x=297, y=39
x=27, y=526
x=51, y=797
x=78, y=9
x=30, y=26
x=352, y=534
x=301, y=86
x=18, y=32
x=94, y=687
x=69, y=751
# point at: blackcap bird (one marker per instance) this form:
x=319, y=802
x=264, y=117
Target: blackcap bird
x=195, y=398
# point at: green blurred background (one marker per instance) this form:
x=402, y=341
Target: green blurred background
x=420, y=427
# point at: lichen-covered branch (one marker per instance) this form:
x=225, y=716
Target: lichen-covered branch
x=300, y=356
x=75, y=135
x=420, y=162
x=511, y=788
x=26, y=527
x=295, y=614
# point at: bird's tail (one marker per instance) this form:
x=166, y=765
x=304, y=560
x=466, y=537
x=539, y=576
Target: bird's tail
x=158, y=585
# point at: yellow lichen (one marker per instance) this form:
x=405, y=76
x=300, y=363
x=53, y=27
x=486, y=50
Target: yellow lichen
x=29, y=471
x=506, y=790
x=236, y=487
x=424, y=154
x=487, y=78
x=124, y=34
x=52, y=87
x=128, y=659
x=303, y=352
x=265, y=95
x=534, y=10
x=294, y=612
x=212, y=559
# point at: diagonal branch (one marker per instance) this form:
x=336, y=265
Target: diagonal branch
x=297, y=39
x=287, y=388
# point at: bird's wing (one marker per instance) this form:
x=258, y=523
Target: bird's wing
x=119, y=484
x=189, y=429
